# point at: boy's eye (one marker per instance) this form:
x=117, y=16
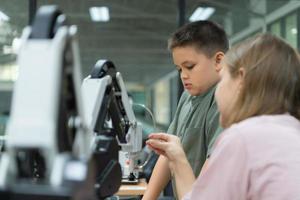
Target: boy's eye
x=179, y=70
x=190, y=67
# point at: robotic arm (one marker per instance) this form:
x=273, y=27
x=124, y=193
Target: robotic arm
x=50, y=152
x=105, y=96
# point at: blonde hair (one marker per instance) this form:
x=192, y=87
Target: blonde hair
x=271, y=84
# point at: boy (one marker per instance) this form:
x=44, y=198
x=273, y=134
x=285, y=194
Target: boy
x=197, y=49
x=257, y=155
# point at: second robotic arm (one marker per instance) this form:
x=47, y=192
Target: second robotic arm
x=105, y=96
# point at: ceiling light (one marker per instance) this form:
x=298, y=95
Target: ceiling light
x=294, y=31
x=202, y=13
x=99, y=14
x=3, y=16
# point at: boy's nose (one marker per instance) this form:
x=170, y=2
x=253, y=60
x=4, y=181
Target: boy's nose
x=184, y=75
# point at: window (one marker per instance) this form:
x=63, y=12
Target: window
x=275, y=28
x=291, y=30
x=162, y=102
x=13, y=18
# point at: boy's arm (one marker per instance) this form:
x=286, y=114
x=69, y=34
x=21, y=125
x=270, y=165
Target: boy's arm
x=184, y=177
x=169, y=146
x=159, y=179
x=161, y=173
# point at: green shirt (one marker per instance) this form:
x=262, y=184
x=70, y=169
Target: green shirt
x=196, y=122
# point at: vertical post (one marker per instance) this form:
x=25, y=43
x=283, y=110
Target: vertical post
x=283, y=27
x=181, y=21
x=32, y=10
x=181, y=12
x=298, y=29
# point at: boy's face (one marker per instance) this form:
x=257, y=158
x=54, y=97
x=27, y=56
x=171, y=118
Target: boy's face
x=197, y=71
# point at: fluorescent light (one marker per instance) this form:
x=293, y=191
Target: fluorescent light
x=3, y=16
x=99, y=14
x=202, y=13
x=294, y=31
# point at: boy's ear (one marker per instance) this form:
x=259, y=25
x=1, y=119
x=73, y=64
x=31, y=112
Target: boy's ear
x=218, y=60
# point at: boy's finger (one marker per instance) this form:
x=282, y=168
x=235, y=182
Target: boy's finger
x=161, y=136
x=157, y=151
x=150, y=145
x=159, y=144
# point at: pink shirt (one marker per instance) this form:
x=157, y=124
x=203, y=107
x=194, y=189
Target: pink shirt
x=258, y=158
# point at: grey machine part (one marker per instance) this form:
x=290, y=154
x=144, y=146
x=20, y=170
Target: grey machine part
x=47, y=135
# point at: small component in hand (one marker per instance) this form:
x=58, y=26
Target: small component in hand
x=127, y=181
x=131, y=177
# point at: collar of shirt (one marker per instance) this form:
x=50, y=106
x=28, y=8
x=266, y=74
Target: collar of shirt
x=194, y=100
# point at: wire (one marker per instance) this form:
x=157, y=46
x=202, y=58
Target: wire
x=149, y=151
x=149, y=112
x=2, y=142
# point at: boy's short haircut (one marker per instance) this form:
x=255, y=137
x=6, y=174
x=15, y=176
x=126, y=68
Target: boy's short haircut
x=206, y=36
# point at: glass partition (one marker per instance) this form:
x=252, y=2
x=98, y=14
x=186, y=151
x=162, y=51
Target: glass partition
x=291, y=30
x=13, y=18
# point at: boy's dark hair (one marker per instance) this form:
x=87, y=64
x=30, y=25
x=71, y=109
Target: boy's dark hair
x=206, y=36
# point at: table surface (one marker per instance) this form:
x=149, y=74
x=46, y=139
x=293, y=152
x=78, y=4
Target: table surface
x=133, y=189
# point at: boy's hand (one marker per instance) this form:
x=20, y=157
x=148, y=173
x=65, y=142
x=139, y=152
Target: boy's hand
x=166, y=145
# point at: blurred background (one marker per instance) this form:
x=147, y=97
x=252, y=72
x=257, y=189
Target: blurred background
x=133, y=34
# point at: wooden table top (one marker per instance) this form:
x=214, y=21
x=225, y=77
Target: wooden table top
x=133, y=189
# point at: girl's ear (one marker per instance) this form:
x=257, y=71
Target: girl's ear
x=241, y=77
x=219, y=56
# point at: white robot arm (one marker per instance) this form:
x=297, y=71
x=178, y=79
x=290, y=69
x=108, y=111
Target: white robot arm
x=104, y=94
x=49, y=149
x=40, y=111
